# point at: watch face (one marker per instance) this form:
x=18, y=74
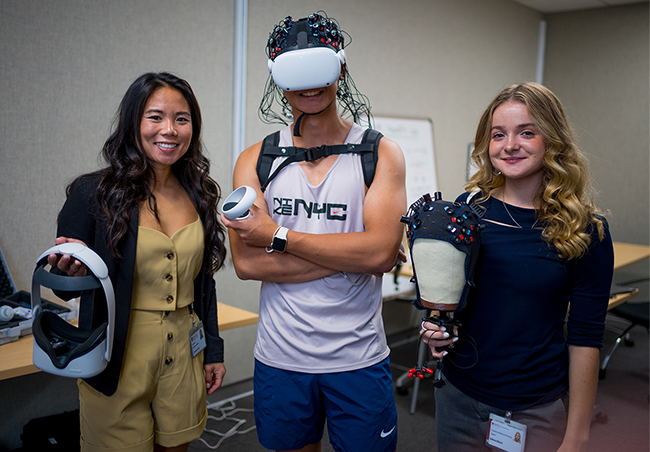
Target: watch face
x=279, y=244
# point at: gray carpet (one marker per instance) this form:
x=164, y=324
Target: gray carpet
x=418, y=427
x=620, y=422
x=620, y=419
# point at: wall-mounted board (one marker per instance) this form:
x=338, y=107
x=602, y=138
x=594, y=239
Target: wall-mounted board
x=415, y=137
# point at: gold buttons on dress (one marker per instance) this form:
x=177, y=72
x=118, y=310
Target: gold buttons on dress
x=170, y=255
x=169, y=360
x=170, y=336
x=169, y=277
x=170, y=299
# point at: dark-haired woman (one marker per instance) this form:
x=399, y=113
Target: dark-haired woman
x=151, y=215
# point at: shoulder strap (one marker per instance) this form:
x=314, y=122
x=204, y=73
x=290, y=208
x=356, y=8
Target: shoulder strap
x=265, y=159
x=368, y=149
x=369, y=159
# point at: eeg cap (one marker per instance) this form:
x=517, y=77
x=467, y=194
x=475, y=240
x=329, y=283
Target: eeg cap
x=305, y=54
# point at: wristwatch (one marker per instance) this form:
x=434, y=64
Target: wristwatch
x=279, y=242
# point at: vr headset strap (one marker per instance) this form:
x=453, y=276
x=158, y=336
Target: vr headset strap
x=368, y=149
x=301, y=37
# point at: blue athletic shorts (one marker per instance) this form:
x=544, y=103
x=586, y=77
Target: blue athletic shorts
x=291, y=408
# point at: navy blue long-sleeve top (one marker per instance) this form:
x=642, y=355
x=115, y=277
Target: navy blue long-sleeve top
x=512, y=351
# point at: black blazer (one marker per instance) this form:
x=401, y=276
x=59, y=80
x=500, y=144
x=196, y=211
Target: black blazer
x=79, y=219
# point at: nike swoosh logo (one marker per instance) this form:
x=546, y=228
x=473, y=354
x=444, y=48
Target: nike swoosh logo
x=384, y=434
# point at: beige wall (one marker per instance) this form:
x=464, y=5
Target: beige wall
x=67, y=63
x=440, y=59
x=597, y=63
x=64, y=65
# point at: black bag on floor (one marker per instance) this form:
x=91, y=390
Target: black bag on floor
x=59, y=432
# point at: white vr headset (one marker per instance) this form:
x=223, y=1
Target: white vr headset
x=59, y=347
x=300, y=69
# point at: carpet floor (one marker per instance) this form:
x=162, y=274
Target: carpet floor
x=620, y=419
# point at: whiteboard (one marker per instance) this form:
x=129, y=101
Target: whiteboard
x=415, y=137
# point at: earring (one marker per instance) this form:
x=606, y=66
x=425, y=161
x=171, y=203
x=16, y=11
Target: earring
x=496, y=174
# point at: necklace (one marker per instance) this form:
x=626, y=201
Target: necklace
x=513, y=219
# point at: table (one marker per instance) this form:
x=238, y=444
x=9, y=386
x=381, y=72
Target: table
x=629, y=253
x=616, y=300
x=16, y=357
x=626, y=254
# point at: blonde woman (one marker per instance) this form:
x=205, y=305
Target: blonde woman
x=544, y=244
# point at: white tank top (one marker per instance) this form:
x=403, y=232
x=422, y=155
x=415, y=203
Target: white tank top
x=330, y=324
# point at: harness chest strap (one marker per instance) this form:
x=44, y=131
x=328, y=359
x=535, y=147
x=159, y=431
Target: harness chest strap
x=368, y=149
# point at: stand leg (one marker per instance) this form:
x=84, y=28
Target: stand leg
x=416, y=384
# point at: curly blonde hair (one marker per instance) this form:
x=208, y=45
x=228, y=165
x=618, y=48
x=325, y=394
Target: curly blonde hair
x=566, y=208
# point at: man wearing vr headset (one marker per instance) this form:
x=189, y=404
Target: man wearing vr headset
x=320, y=239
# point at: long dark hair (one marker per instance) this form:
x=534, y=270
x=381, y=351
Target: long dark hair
x=128, y=179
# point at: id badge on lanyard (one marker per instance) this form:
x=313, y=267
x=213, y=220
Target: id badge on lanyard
x=506, y=434
x=197, y=335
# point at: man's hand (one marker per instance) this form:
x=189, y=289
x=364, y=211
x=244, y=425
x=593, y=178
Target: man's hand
x=257, y=230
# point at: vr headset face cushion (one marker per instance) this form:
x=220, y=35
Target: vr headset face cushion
x=313, y=67
x=49, y=328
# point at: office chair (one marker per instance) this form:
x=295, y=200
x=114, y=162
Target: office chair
x=636, y=314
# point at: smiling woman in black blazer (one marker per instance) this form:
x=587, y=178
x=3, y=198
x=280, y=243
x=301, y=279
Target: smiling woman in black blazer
x=151, y=215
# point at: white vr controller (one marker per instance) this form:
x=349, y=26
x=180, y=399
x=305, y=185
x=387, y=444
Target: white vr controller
x=237, y=204
x=313, y=67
